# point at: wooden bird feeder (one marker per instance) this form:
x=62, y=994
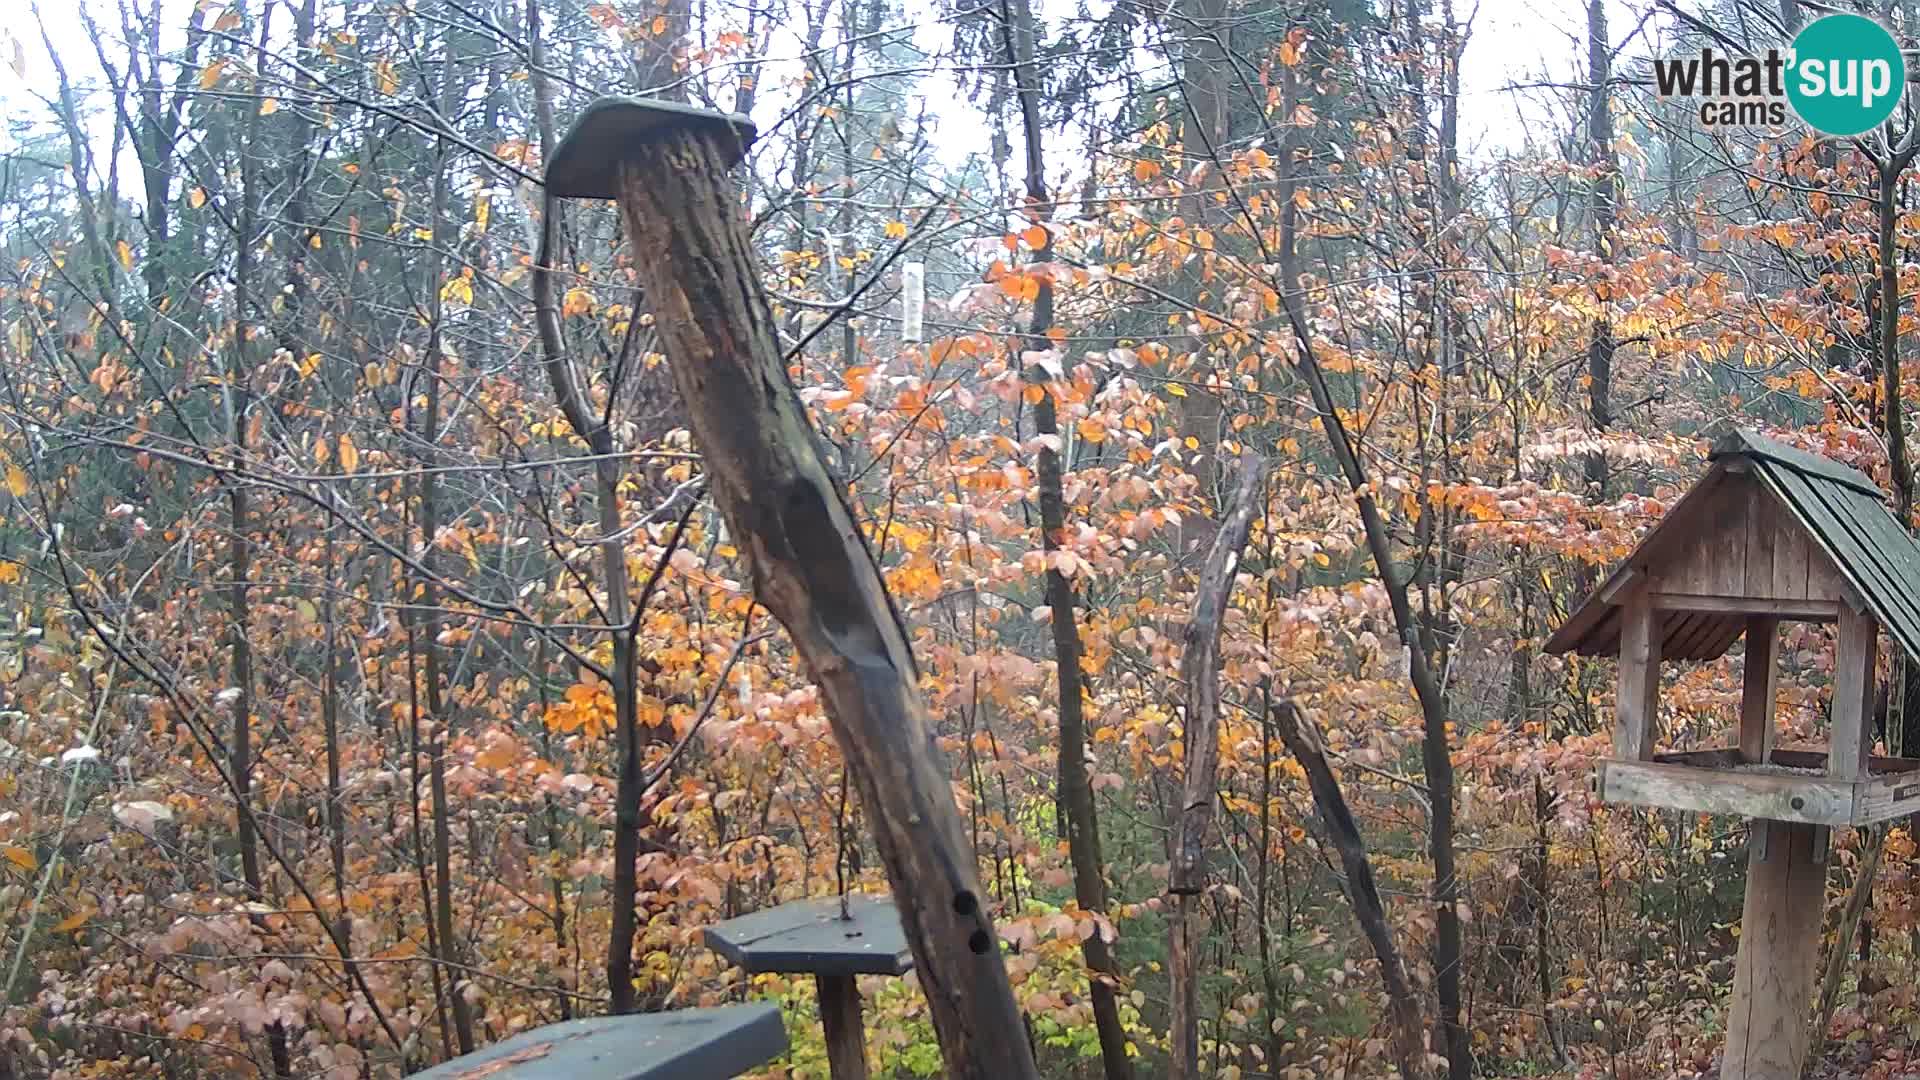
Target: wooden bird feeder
x=1770, y=534
x=834, y=940
x=687, y=1044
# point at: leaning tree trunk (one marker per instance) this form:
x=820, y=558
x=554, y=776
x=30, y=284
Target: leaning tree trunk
x=1363, y=895
x=813, y=571
x=1200, y=671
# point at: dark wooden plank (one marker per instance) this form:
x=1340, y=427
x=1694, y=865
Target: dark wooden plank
x=1726, y=557
x=1851, y=733
x=1637, y=700
x=840, y=1018
x=686, y=1044
x=1790, y=547
x=1764, y=524
x=1797, y=610
x=1759, y=686
x=810, y=937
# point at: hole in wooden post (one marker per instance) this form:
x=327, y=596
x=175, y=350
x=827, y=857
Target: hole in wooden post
x=979, y=942
x=964, y=903
x=1797, y=803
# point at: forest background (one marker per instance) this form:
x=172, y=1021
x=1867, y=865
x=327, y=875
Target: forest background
x=376, y=685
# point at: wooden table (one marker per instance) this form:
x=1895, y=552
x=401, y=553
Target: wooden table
x=819, y=938
x=684, y=1044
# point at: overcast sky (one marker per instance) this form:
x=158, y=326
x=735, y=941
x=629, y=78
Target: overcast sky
x=1513, y=42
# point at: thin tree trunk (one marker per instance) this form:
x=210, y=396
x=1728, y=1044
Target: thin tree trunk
x=570, y=392
x=1199, y=670
x=1075, y=786
x=1436, y=756
x=1887, y=333
x=450, y=953
x=1606, y=179
x=1363, y=895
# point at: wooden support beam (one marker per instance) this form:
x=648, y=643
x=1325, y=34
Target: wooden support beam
x=1758, y=688
x=840, y=1016
x=667, y=166
x=1851, y=736
x=1779, y=953
x=1796, y=610
x=1637, y=702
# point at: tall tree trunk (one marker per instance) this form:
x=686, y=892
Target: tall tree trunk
x=240, y=740
x=1199, y=670
x=570, y=392
x=427, y=641
x=1435, y=753
x=1075, y=785
x=1893, y=417
x=1606, y=182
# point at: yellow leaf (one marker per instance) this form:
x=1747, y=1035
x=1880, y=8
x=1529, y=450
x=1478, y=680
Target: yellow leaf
x=896, y=230
x=269, y=106
x=211, y=74
x=197, y=198
x=314, y=241
x=17, y=481
x=125, y=253
x=578, y=302
x=349, y=455
x=72, y=922
x=1176, y=390
x=457, y=290
x=21, y=858
x=659, y=24
x=482, y=212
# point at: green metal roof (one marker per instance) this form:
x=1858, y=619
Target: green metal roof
x=1846, y=514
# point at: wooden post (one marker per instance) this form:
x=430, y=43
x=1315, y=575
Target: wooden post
x=1636, y=706
x=1850, y=736
x=1779, y=952
x=668, y=167
x=840, y=1016
x=1758, y=688
x=1200, y=670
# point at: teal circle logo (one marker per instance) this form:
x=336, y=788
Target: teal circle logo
x=1845, y=75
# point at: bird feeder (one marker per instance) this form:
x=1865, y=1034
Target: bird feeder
x=1769, y=535
x=834, y=940
x=686, y=1044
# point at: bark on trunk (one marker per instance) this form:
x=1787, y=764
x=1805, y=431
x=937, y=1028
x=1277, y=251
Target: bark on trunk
x=1200, y=671
x=1075, y=785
